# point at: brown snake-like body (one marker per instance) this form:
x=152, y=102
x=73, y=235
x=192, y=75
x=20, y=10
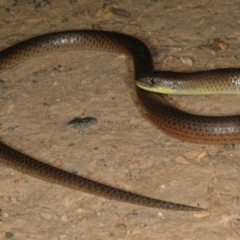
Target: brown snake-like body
x=175, y=122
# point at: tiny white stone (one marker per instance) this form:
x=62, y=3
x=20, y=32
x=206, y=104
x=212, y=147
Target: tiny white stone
x=55, y=83
x=160, y=214
x=187, y=60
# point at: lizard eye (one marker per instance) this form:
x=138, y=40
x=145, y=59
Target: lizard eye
x=153, y=81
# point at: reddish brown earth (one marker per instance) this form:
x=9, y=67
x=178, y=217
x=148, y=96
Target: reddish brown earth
x=124, y=149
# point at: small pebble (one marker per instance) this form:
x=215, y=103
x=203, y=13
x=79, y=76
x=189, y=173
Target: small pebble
x=83, y=82
x=201, y=214
x=181, y=160
x=64, y=218
x=201, y=155
x=55, y=83
x=11, y=129
x=196, y=155
x=229, y=147
x=219, y=44
x=160, y=214
x=104, y=13
x=191, y=154
x=81, y=210
x=46, y=216
x=186, y=60
x=135, y=212
x=82, y=122
x=120, y=12
x=167, y=160
x=101, y=213
x=56, y=163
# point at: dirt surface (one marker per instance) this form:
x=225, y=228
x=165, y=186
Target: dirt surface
x=124, y=148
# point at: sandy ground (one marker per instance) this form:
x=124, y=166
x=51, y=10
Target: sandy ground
x=124, y=149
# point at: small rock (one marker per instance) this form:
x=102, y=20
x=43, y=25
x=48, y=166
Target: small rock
x=197, y=155
x=55, y=83
x=181, y=160
x=186, y=60
x=135, y=212
x=83, y=82
x=120, y=12
x=201, y=214
x=160, y=214
x=64, y=218
x=56, y=163
x=101, y=213
x=201, y=155
x=219, y=44
x=82, y=123
x=46, y=216
x=105, y=13
x=229, y=147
